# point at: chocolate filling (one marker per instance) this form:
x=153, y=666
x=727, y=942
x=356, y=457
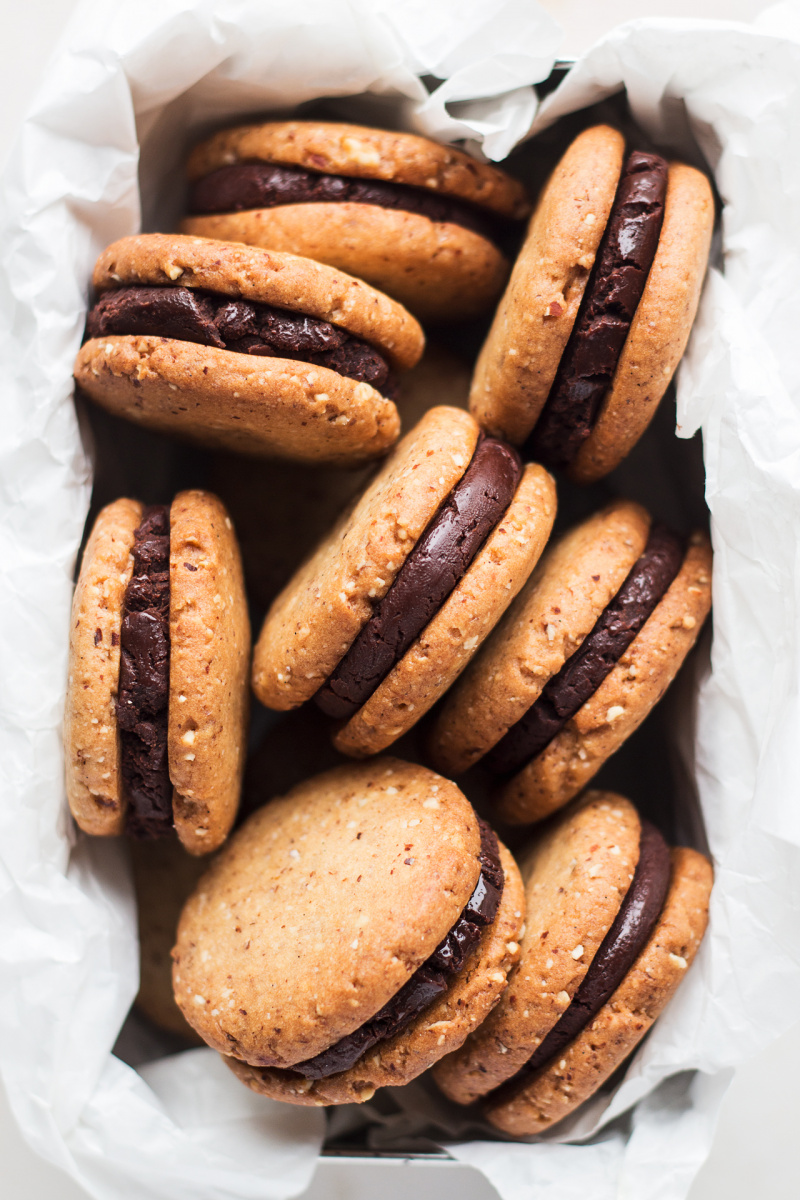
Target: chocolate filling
x=598, y=653
x=243, y=326
x=143, y=694
x=428, y=981
x=268, y=185
x=437, y=562
x=618, y=951
x=612, y=294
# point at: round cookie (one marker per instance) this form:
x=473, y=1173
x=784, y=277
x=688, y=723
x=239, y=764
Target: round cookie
x=282, y=512
x=592, y=962
x=599, y=306
x=157, y=703
x=418, y=230
x=209, y=661
x=387, y=532
x=544, y=707
x=322, y=908
x=234, y=346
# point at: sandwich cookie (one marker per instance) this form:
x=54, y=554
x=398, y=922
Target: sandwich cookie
x=349, y=935
x=590, y=646
x=418, y=220
x=155, y=728
x=262, y=353
x=614, y=921
x=599, y=306
x=388, y=610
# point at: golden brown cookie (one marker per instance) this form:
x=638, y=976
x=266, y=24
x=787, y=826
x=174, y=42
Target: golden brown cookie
x=419, y=232
x=177, y=344
x=515, y=703
x=621, y=1023
x=546, y=345
x=165, y=603
x=327, y=613
x=533, y=322
x=614, y=921
x=209, y=667
x=322, y=908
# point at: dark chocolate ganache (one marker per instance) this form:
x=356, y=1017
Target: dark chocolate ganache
x=584, y=671
x=143, y=693
x=244, y=186
x=243, y=326
x=434, y=567
x=617, y=953
x=612, y=294
x=428, y=981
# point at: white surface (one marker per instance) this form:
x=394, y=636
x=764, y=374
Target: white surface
x=746, y=1154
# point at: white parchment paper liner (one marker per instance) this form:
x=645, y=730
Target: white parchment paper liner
x=156, y=73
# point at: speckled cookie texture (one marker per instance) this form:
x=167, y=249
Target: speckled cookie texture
x=209, y=634
x=661, y=326
x=358, y=561
x=91, y=735
x=248, y=273
x=440, y=1029
x=344, y=149
x=625, y=697
x=163, y=877
x=518, y=362
x=467, y=617
x=252, y=405
x=318, y=911
x=248, y=403
x=589, y=1060
x=311, y=920
x=572, y=584
x=575, y=878
x=209, y=664
x=436, y=269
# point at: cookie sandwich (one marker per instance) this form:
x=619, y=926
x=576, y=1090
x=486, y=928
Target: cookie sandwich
x=418, y=220
x=349, y=935
x=590, y=646
x=599, y=306
x=232, y=346
x=155, y=727
x=614, y=921
x=393, y=603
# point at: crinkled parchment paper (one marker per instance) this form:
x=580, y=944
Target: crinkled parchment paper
x=155, y=75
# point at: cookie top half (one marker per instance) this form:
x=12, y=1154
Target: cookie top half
x=364, y=153
x=387, y=611
x=161, y=589
x=322, y=907
x=599, y=307
x=265, y=277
